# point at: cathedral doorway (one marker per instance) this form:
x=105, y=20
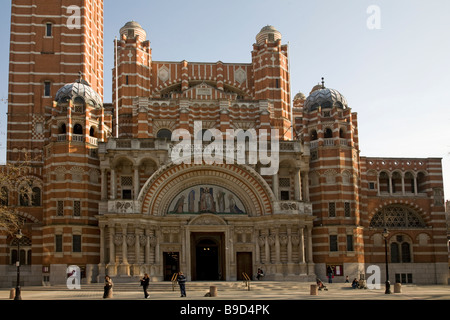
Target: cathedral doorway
x=208, y=256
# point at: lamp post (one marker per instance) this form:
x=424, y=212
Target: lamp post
x=388, y=284
x=19, y=236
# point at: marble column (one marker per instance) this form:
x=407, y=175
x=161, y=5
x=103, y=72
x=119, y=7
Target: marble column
x=275, y=186
x=104, y=185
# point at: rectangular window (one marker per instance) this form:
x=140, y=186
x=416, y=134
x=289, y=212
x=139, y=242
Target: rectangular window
x=347, y=209
x=284, y=195
x=371, y=185
x=350, y=242
x=60, y=208
x=48, y=30
x=58, y=243
x=332, y=209
x=47, y=91
x=76, y=243
x=77, y=208
x=403, y=278
x=126, y=194
x=333, y=243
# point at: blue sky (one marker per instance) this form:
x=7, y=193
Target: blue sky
x=396, y=78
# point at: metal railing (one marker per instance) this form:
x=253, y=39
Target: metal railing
x=247, y=280
x=174, y=281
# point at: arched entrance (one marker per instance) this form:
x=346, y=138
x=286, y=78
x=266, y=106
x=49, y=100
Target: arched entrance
x=208, y=256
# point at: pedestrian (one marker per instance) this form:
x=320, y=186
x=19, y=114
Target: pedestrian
x=330, y=274
x=182, y=283
x=108, y=292
x=145, y=281
x=259, y=274
x=346, y=279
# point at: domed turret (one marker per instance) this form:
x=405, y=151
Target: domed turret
x=79, y=91
x=268, y=33
x=325, y=98
x=132, y=29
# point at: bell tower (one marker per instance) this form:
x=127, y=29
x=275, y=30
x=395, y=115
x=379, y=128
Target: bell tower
x=51, y=42
x=270, y=61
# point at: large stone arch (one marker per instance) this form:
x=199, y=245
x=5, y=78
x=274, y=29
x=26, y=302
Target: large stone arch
x=164, y=185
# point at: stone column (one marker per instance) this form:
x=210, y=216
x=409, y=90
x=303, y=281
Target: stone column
x=306, y=186
x=257, y=247
x=289, y=245
x=136, y=182
x=415, y=186
x=104, y=186
x=157, y=253
x=124, y=266
x=390, y=184
x=277, y=245
x=113, y=184
x=310, y=250
x=267, y=247
x=301, y=245
x=403, y=184
x=112, y=251
x=102, y=243
x=137, y=245
x=297, y=185
x=275, y=186
x=147, y=246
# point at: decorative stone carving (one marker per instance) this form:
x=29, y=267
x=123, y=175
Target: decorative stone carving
x=118, y=238
x=130, y=239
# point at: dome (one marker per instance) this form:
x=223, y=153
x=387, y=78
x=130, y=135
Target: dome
x=131, y=29
x=325, y=98
x=300, y=96
x=268, y=33
x=79, y=90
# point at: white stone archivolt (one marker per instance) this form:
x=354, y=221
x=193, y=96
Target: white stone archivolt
x=207, y=219
x=168, y=182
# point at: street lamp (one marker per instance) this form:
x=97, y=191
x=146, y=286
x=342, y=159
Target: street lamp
x=388, y=284
x=19, y=236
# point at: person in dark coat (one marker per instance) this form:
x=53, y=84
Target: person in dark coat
x=108, y=293
x=182, y=283
x=145, y=282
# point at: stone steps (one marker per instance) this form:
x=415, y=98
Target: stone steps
x=167, y=286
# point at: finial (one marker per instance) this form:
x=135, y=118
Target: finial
x=323, y=83
x=80, y=74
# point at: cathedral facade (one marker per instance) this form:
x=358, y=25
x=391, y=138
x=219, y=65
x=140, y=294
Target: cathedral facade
x=115, y=194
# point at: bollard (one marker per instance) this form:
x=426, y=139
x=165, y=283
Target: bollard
x=12, y=293
x=314, y=290
x=398, y=288
x=213, y=291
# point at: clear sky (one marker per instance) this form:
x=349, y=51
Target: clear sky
x=396, y=77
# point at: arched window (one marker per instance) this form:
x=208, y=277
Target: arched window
x=24, y=197
x=92, y=132
x=164, y=134
x=4, y=196
x=396, y=182
x=396, y=217
x=36, y=197
x=25, y=251
x=328, y=133
x=62, y=129
x=78, y=129
x=409, y=183
x=395, y=253
x=313, y=135
x=341, y=133
x=400, y=250
x=421, y=182
x=384, y=182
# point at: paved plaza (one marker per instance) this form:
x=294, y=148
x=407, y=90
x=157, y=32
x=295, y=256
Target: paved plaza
x=266, y=290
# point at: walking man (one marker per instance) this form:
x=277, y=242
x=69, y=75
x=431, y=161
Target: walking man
x=182, y=282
